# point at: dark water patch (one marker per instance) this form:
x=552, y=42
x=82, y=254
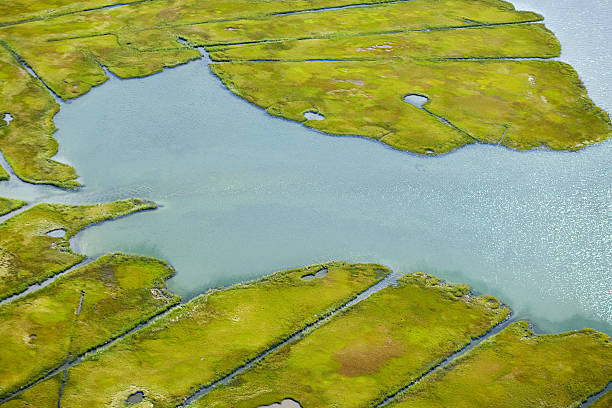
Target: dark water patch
x=322, y=273
x=135, y=398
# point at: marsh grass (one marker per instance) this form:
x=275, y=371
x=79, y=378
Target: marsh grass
x=40, y=330
x=516, y=368
x=8, y=205
x=43, y=395
x=212, y=335
x=370, y=350
x=28, y=255
x=69, y=46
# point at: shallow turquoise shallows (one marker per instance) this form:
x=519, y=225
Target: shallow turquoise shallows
x=244, y=194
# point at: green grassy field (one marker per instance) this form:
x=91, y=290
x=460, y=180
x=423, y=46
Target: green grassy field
x=39, y=330
x=366, y=99
x=540, y=103
x=27, y=142
x=28, y=255
x=356, y=359
x=518, y=41
x=8, y=205
x=212, y=335
x=368, y=352
x=515, y=368
x=42, y=395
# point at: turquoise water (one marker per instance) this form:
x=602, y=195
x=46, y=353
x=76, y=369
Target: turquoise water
x=244, y=194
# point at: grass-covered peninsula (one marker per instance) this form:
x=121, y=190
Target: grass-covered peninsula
x=8, y=205
x=465, y=56
x=29, y=255
x=84, y=309
x=388, y=346
x=212, y=335
x=370, y=351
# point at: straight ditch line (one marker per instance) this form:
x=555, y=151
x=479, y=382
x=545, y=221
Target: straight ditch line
x=38, y=286
x=444, y=120
x=346, y=6
x=315, y=37
x=63, y=386
x=301, y=60
x=393, y=57
x=77, y=360
x=110, y=6
x=339, y=35
x=595, y=397
x=77, y=312
x=390, y=279
x=503, y=136
x=449, y=360
x=30, y=70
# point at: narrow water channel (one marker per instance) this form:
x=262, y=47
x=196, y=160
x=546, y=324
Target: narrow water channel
x=244, y=194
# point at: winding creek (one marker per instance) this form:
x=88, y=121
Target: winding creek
x=244, y=194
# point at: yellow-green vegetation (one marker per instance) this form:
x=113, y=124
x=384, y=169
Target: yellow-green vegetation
x=603, y=402
x=68, y=43
x=532, y=99
x=8, y=205
x=28, y=255
x=517, y=41
x=26, y=142
x=368, y=352
x=355, y=22
x=212, y=335
x=42, y=395
x=83, y=309
x=21, y=10
x=515, y=368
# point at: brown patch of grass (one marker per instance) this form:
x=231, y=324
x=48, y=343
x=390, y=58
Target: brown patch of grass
x=366, y=359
